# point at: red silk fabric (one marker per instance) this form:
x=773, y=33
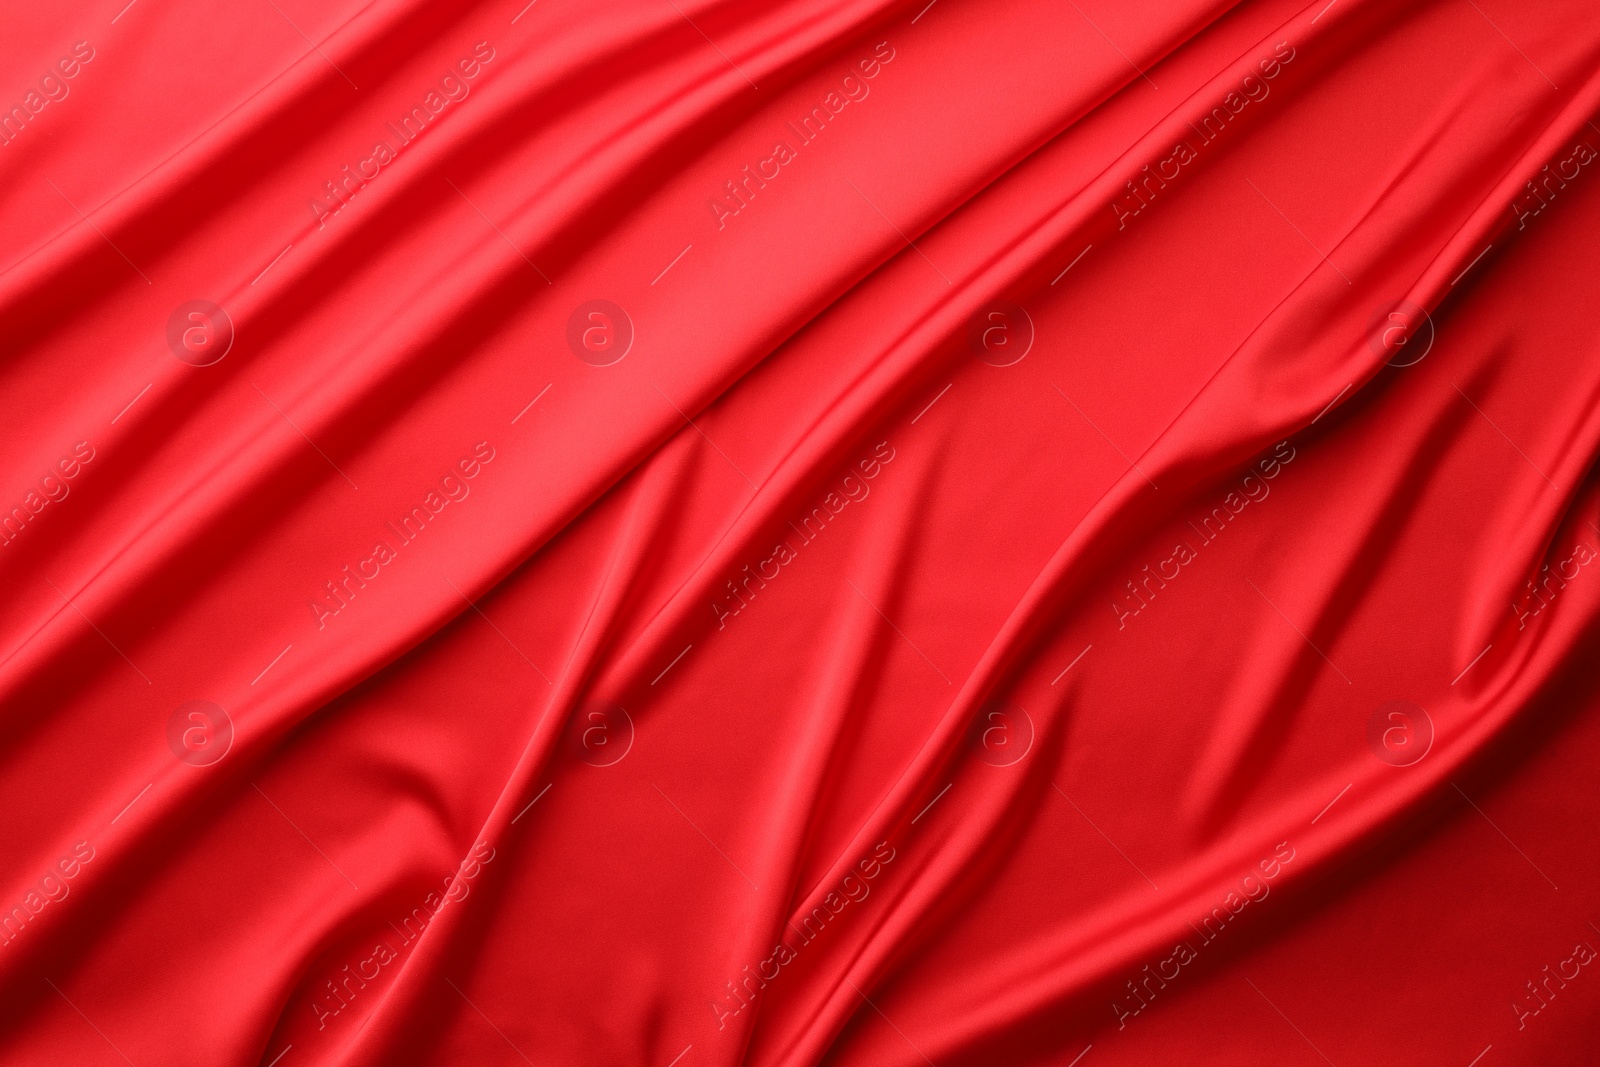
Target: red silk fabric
x=667, y=533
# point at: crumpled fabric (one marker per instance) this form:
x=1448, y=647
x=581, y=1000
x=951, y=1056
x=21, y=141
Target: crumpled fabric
x=830, y=531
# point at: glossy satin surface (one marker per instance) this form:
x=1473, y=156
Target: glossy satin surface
x=821, y=531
